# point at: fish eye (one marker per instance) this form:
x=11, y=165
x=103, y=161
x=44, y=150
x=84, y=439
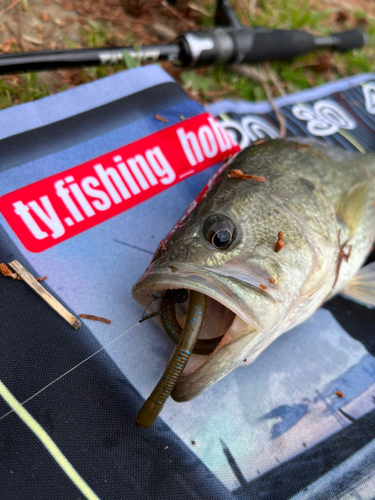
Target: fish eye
x=219, y=231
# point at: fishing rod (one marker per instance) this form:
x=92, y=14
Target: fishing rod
x=228, y=43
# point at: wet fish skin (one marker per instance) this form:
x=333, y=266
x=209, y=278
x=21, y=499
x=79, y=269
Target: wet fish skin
x=321, y=197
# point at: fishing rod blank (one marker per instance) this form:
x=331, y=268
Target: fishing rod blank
x=228, y=45
x=70, y=58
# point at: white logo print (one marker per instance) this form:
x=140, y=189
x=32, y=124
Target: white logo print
x=325, y=118
x=369, y=93
x=250, y=129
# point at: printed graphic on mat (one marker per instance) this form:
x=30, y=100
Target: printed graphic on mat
x=258, y=428
x=58, y=207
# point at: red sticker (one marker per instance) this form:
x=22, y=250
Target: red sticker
x=54, y=209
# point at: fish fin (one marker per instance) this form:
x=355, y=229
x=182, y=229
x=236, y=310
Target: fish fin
x=353, y=205
x=362, y=286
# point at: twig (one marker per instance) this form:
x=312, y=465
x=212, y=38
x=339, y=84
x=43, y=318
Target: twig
x=198, y=8
x=238, y=174
x=252, y=9
x=273, y=78
x=161, y=118
x=95, y=318
x=33, y=40
x=20, y=27
x=12, y=30
x=175, y=13
x=260, y=78
x=279, y=115
x=29, y=279
x=5, y=271
x=9, y=7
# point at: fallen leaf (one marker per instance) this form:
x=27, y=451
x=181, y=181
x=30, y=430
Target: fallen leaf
x=323, y=63
x=342, y=16
x=5, y=271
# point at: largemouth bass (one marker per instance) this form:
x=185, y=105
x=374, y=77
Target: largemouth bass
x=281, y=229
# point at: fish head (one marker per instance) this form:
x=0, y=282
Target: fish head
x=224, y=247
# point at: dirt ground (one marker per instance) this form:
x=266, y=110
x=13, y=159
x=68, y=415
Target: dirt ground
x=29, y=25
x=49, y=24
x=55, y=24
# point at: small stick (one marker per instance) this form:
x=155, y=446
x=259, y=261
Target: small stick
x=259, y=142
x=161, y=118
x=9, y=7
x=273, y=78
x=238, y=174
x=95, y=318
x=21, y=42
x=258, y=77
x=42, y=292
x=252, y=9
x=175, y=13
x=5, y=271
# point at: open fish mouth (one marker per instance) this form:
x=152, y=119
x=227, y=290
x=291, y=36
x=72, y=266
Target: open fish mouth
x=239, y=313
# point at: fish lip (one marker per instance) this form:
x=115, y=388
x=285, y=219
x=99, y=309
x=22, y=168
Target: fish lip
x=173, y=275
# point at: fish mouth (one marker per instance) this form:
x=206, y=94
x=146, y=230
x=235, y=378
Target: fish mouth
x=240, y=313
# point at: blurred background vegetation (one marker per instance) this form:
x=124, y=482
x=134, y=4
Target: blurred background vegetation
x=56, y=24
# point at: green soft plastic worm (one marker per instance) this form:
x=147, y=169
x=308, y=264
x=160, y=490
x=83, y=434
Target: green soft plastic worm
x=194, y=320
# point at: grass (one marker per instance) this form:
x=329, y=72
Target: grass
x=216, y=82
x=305, y=71
x=24, y=88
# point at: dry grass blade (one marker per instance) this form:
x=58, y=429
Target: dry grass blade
x=274, y=79
x=95, y=318
x=161, y=118
x=238, y=174
x=9, y=7
x=175, y=13
x=258, y=77
x=20, y=27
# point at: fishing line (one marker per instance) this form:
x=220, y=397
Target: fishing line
x=178, y=296
x=71, y=369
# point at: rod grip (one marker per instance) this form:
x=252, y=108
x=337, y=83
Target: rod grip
x=278, y=45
